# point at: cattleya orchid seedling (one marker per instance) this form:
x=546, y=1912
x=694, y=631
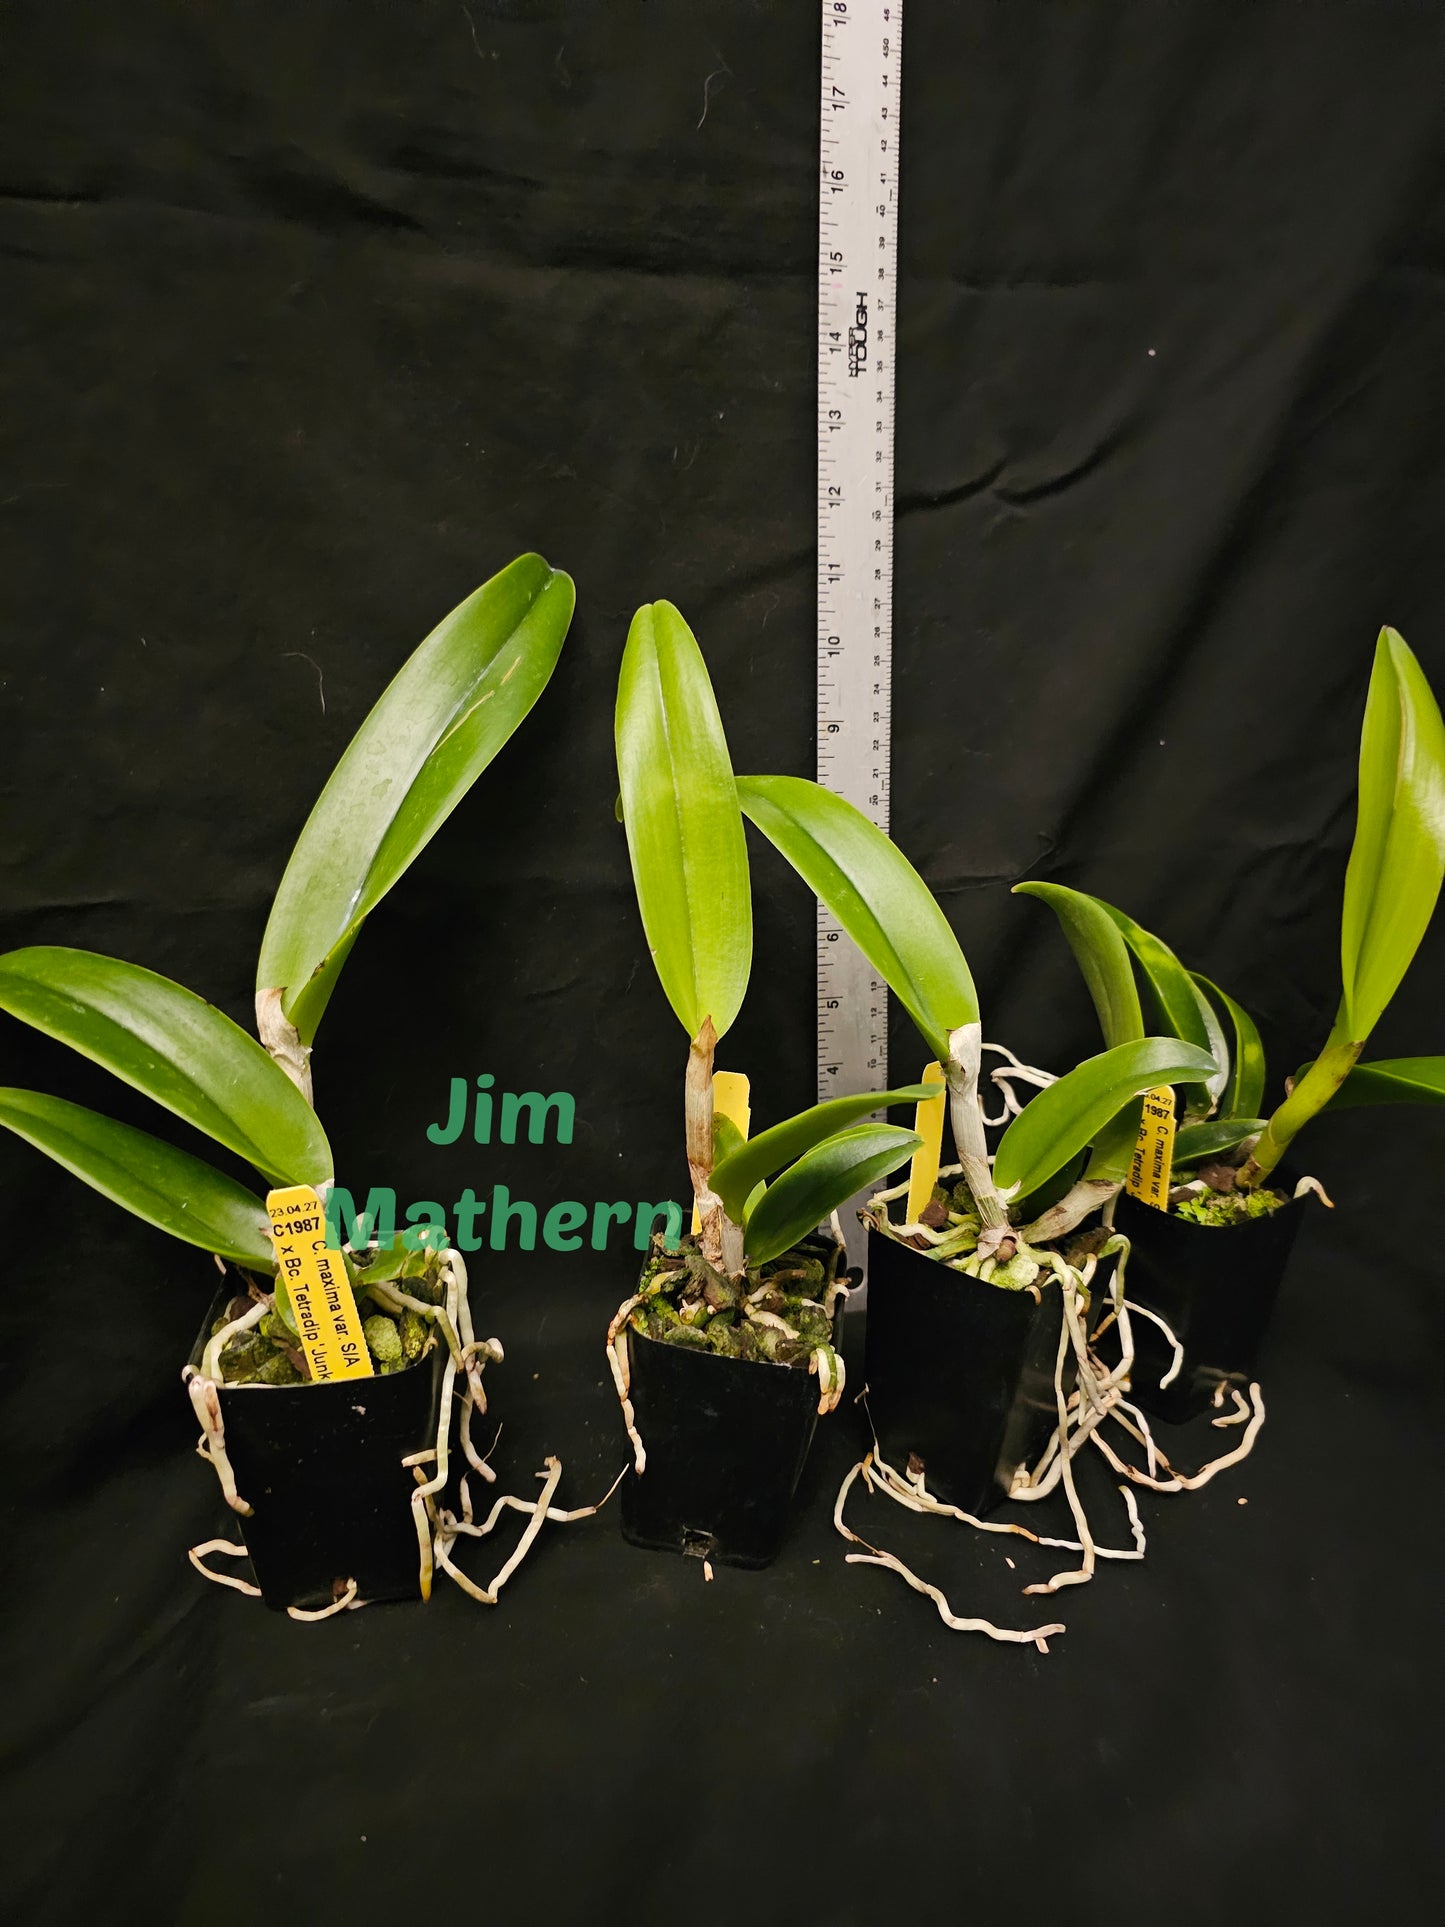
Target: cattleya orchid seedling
x=1001, y=1217
x=1004, y=1224
x=744, y=1286
x=1226, y=1152
x=445, y=715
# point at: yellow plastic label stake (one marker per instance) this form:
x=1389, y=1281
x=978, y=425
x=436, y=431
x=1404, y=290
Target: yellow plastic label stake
x=729, y=1100
x=928, y=1122
x=331, y=1339
x=1153, y=1160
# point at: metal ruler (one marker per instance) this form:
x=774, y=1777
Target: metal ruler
x=857, y=280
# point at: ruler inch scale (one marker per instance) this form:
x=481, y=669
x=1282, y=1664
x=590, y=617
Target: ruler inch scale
x=860, y=104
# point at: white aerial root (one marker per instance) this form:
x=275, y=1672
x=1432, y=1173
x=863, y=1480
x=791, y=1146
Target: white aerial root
x=622, y=1376
x=1239, y=1415
x=450, y=1528
x=344, y=1602
x=1187, y=1482
x=468, y=1356
x=825, y=1364
x=1000, y=1078
x=196, y=1555
x=828, y=1368
x=211, y=1357
x=1143, y=1311
x=206, y=1403
x=874, y=1556
x=1101, y=1398
x=1306, y=1185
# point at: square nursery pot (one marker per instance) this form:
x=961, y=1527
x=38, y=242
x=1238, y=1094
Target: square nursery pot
x=321, y=1466
x=960, y=1373
x=1214, y=1285
x=726, y=1441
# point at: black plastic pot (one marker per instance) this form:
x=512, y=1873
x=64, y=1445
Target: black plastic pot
x=960, y=1373
x=321, y=1466
x=726, y=1442
x=1215, y=1286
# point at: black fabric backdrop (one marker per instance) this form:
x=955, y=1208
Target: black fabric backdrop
x=314, y=316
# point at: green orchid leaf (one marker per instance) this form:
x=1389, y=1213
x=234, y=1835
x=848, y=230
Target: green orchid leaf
x=1055, y=1125
x=751, y=1163
x=176, y=1048
x=822, y=1179
x=1243, y=1091
x=1389, y=1080
x=1183, y=1010
x=438, y=724
x=1398, y=857
x=1023, y=1210
x=166, y=1187
x=876, y=895
x=726, y=1138
x=684, y=832
x=1102, y=955
x=1197, y=1143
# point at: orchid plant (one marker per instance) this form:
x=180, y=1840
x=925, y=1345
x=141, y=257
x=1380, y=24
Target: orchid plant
x=1392, y=885
x=1005, y=1224
x=883, y=904
x=438, y=725
x=757, y=1201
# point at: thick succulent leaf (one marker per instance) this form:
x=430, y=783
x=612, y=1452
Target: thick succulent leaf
x=440, y=721
x=1101, y=954
x=876, y=895
x=1024, y=1210
x=1243, y=1091
x=1389, y=1080
x=1398, y=857
x=1182, y=1008
x=1055, y=1125
x=166, y=1187
x=751, y=1163
x=1212, y=1138
x=726, y=1138
x=821, y=1180
x=684, y=832
x=183, y=1052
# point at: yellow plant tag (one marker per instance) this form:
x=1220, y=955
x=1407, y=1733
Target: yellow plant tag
x=1153, y=1160
x=331, y=1339
x=729, y=1100
x=928, y=1122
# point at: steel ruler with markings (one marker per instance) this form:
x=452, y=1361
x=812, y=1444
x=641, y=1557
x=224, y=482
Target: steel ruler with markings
x=857, y=283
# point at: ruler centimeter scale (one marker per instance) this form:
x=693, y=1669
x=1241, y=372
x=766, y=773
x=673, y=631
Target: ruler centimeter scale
x=857, y=280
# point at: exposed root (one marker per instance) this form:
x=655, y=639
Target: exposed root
x=1001, y=1076
x=1071, y=1332
x=828, y=1368
x=1143, y=1311
x=345, y=1601
x=450, y=1528
x=1038, y=1636
x=196, y=1555
x=622, y=1376
x=1240, y=1414
x=1100, y=1400
x=1191, y=1482
x=467, y=1357
x=211, y=1357
x=1313, y=1184
x=206, y=1404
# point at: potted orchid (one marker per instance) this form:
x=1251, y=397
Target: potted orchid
x=1229, y=1165
x=725, y=1353
x=334, y=1461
